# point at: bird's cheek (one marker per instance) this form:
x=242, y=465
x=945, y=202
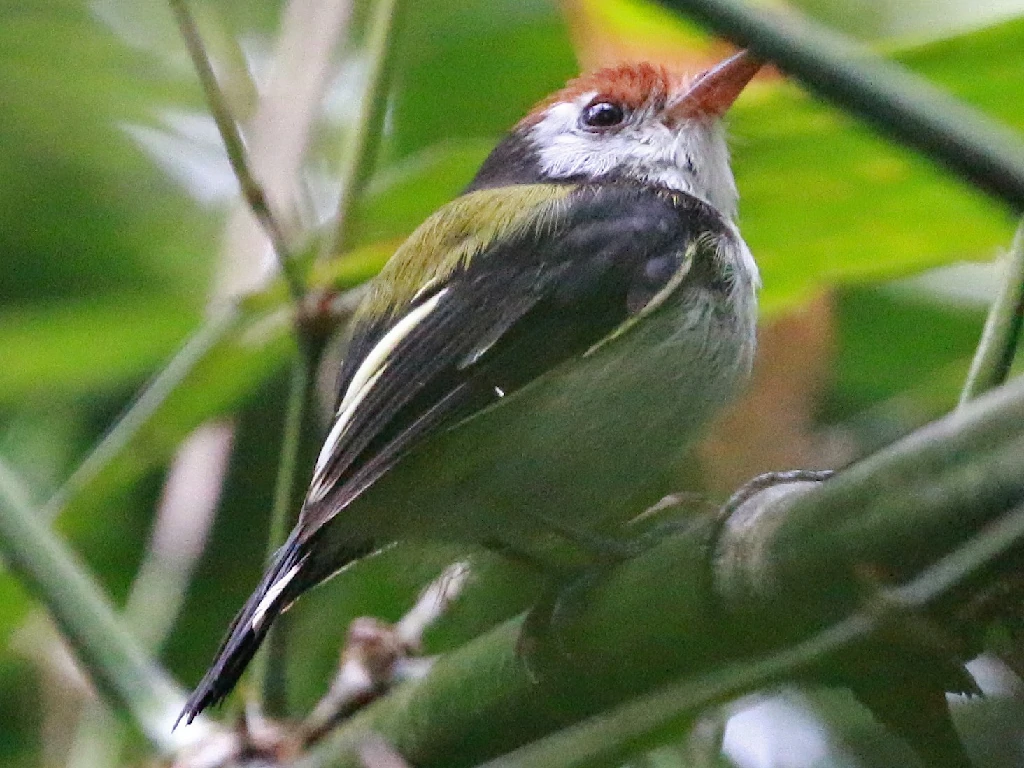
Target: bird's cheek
x=685, y=161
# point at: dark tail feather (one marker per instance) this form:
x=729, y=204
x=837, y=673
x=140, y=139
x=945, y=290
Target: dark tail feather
x=281, y=584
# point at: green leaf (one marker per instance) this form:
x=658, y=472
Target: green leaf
x=82, y=210
x=470, y=68
x=212, y=375
x=824, y=201
x=401, y=197
x=884, y=355
x=87, y=345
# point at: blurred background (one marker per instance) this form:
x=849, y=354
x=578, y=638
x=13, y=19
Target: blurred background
x=122, y=238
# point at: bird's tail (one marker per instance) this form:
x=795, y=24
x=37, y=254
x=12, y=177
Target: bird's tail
x=283, y=582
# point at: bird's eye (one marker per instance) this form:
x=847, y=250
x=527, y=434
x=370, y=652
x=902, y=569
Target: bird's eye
x=602, y=114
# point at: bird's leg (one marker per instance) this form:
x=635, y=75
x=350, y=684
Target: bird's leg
x=596, y=548
x=536, y=632
x=539, y=643
x=550, y=570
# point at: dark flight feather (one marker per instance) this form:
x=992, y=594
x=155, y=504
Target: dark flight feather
x=241, y=640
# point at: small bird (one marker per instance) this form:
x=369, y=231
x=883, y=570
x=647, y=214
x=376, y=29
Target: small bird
x=530, y=364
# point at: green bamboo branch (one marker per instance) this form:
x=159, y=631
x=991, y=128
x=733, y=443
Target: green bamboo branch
x=303, y=365
x=281, y=514
x=901, y=105
x=234, y=145
x=361, y=147
x=998, y=345
x=611, y=737
x=269, y=666
x=109, y=654
x=785, y=562
x=158, y=590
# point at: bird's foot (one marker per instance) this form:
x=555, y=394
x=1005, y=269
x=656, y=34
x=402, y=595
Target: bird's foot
x=769, y=480
x=540, y=645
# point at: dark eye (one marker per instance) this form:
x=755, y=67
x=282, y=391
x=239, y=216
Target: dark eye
x=602, y=114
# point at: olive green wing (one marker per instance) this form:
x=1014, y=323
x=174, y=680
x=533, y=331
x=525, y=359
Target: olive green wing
x=563, y=267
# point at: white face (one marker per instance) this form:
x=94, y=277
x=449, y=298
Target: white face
x=691, y=156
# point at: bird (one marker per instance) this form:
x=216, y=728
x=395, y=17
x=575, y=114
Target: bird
x=532, y=361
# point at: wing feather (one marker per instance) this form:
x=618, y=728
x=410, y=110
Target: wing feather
x=493, y=322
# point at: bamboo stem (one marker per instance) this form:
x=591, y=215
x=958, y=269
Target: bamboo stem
x=998, y=345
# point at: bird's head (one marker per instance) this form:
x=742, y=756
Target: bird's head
x=635, y=122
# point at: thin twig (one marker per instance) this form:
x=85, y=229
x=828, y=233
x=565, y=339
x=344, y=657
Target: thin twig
x=361, y=148
x=234, y=146
x=995, y=353
x=378, y=655
x=268, y=669
x=280, y=133
x=902, y=105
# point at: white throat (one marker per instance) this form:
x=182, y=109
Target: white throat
x=693, y=158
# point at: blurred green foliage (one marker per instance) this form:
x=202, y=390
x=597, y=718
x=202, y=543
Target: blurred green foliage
x=107, y=264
